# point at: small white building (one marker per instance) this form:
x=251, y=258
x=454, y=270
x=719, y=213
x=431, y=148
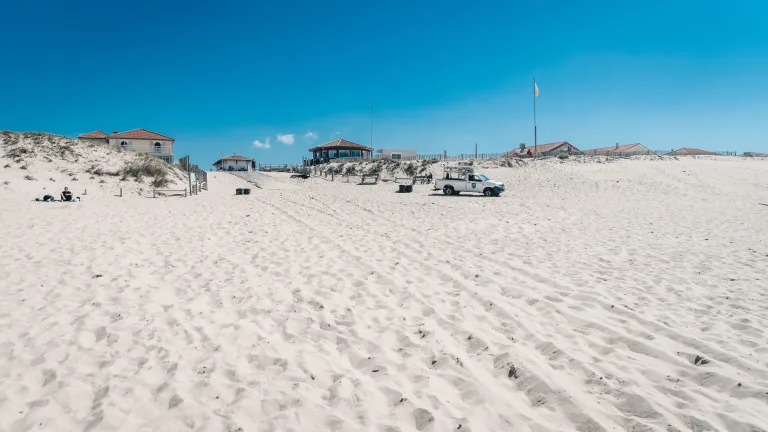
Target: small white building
x=396, y=154
x=234, y=163
x=138, y=140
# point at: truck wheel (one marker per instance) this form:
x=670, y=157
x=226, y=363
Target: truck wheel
x=488, y=192
x=448, y=190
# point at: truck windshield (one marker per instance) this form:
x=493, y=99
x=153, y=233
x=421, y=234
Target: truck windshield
x=482, y=177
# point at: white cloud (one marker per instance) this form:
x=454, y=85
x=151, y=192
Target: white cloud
x=262, y=144
x=285, y=139
x=310, y=135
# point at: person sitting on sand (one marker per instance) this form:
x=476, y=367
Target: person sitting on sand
x=66, y=195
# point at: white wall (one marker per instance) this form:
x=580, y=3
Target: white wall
x=387, y=153
x=235, y=164
x=146, y=146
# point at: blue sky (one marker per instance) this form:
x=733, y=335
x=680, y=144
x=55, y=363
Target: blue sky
x=219, y=76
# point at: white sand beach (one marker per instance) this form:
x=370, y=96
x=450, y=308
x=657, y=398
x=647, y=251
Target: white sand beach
x=589, y=297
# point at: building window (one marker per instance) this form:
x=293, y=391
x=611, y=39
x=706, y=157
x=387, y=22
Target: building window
x=333, y=154
x=343, y=153
x=124, y=144
x=397, y=156
x=355, y=153
x=158, y=148
x=166, y=159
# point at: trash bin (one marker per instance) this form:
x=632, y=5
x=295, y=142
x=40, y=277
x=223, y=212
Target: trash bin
x=246, y=191
x=401, y=189
x=408, y=188
x=239, y=191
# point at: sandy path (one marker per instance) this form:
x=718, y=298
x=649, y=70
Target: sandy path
x=591, y=297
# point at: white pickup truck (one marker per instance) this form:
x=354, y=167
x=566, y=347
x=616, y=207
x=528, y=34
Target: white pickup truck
x=463, y=179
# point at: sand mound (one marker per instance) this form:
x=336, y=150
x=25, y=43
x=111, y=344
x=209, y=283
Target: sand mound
x=33, y=163
x=589, y=297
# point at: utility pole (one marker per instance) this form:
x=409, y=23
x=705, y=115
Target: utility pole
x=371, y=125
x=535, y=130
x=475, y=151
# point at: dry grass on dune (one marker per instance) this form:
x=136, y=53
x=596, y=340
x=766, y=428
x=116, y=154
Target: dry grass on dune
x=48, y=158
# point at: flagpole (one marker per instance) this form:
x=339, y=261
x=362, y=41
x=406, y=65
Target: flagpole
x=371, y=125
x=535, y=130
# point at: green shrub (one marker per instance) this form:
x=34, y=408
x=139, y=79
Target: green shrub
x=563, y=156
x=148, y=168
x=160, y=182
x=409, y=169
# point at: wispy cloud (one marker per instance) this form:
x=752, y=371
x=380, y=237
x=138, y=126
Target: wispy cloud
x=285, y=139
x=310, y=135
x=262, y=144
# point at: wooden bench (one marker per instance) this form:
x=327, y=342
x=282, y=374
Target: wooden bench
x=168, y=190
x=364, y=177
x=413, y=180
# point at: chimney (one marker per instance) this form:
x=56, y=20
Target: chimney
x=617, y=145
x=114, y=132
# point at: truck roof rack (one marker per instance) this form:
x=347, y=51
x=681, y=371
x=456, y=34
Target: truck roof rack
x=460, y=168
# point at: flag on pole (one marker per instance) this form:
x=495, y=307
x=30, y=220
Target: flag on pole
x=535, y=89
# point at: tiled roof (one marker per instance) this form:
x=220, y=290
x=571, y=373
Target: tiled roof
x=141, y=134
x=685, y=151
x=542, y=148
x=341, y=143
x=234, y=157
x=95, y=134
x=624, y=148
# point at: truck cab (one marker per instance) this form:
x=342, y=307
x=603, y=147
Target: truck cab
x=456, y=180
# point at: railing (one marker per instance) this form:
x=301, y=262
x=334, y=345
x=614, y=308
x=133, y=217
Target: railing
x=620, y=154
x=320, y=161
x=443, y=156
x=151, y=149
x=279, y=167
x=654, y=152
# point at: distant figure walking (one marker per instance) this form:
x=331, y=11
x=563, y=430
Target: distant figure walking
x=253, y=165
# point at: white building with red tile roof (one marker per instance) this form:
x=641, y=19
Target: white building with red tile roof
x=234, y=163
x=620, y=150
x=549, y=149
x=688, y=151
x=138, y=140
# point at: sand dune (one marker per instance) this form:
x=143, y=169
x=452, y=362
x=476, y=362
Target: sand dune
x=590, y=297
